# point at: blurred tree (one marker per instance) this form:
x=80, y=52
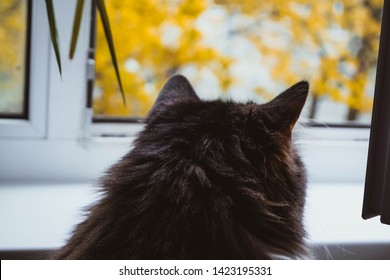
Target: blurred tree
x=332, y=43
x=154, y=40
x=341, y=37
x=12, y=41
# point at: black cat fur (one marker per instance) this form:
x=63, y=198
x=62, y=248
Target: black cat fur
x=205, y=180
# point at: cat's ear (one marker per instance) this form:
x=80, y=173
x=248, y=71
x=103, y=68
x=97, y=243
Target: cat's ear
x=287, y=106
x=177, y=87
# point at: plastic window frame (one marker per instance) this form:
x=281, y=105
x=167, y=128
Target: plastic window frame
x=34, y=124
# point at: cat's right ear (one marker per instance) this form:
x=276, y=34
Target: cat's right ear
x=287, y=106
x=177, y=88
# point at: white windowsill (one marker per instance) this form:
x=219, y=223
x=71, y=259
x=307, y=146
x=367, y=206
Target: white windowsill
x=42, y=216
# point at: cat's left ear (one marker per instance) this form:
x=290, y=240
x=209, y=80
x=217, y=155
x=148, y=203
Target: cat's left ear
x=177, y=88
x=287, y=106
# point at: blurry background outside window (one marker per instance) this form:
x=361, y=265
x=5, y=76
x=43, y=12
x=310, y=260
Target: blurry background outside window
x=13, y=58
x=243, y=50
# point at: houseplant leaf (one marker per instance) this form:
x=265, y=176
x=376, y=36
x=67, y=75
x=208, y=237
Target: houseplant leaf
x=53, y=32
x=107, y=31
x=76, y=27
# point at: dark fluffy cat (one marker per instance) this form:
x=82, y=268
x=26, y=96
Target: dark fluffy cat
x=205, y=180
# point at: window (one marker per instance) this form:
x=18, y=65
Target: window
x=57, y=105
x=24, y=65
x=15, y=19
x=254, y=51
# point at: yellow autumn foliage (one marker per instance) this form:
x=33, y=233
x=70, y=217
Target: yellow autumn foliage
x=13, y=14
x=12, y=40
x=333, y=43
x=153, y=39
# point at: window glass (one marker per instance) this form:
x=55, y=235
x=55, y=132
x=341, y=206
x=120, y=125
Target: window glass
x=13, y=58
x=243, y=50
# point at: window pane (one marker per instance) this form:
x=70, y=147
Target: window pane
x=243, y=50
x=13, y=58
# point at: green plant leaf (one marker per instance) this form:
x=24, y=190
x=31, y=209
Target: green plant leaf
x=107, y=31
x=53, y=32
x=76, y=27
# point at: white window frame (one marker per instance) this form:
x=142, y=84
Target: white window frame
x=35, y=125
